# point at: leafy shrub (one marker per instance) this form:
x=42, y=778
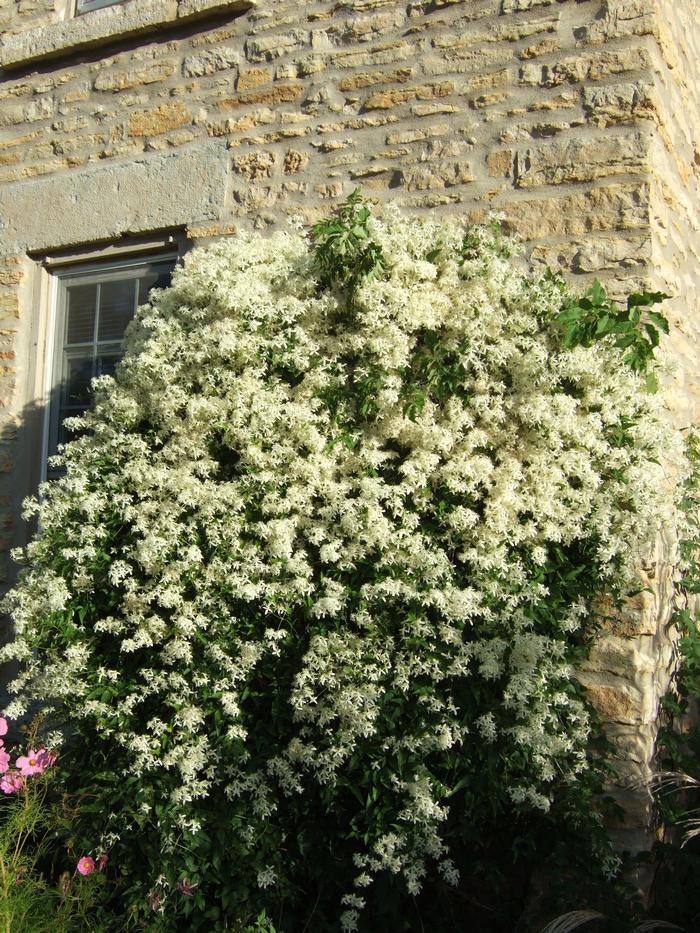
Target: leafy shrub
x=316, y=579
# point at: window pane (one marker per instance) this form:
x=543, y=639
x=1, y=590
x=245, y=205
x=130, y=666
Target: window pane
x=80, y=304
x=159, y=278
x=79, y=352
x=77, y=373
x=116, y=308
x=106, y=362
x=84, y=6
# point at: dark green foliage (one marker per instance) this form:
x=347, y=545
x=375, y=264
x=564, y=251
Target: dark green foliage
x=635, y=328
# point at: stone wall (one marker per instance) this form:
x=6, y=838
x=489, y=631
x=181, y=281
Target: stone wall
x=577, y=120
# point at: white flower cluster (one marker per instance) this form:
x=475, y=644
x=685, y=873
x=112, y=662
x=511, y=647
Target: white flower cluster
x=372, y=493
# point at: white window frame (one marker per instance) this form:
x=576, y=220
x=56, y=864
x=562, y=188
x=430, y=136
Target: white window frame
x=109, y=264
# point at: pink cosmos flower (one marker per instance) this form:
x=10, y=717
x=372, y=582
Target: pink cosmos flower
x=11, y=782
x=102, y=861
x=4, y=761
x=3, y=726
x=184, y=887
x=46, y=759
x=31, y=763
x=86, y=865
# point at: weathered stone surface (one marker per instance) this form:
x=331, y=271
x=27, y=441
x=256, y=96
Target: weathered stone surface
x=616, y=253
x=158, y=120
x=612, y=207
x=252, y=78
x=255, y=165
x=423, y=178
x=110, y=80
x=586, y=66
x=268, y=48
x=615, y=699
x=278, y=94
x=294, y=161
x=619, y=103
x=367, y=79
x=574, y=160
x=621, y=18
x=499, y=163
x=152, y=192
x=210, y=61
x=385, y=100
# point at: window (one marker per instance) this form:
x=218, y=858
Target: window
x=93, y=306
x=84, y=6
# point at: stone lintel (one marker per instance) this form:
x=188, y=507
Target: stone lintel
x=108, y=24
x=154, y=192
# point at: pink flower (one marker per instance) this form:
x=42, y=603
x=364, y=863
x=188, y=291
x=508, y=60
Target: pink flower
x=184, y=887
x=102, y=861
x=86, y=865
x=46, y=759
x=155, y=899
x=4, y=761
x=31, y=763
x=3, y=726
x=11, y=782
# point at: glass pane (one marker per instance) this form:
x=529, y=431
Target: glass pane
x=80, y=305
x=107, y=362
x=84, y=6
x=116, y=308
x=77, y=374
x=159, y=278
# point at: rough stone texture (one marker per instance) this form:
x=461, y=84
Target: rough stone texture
x=577, y=120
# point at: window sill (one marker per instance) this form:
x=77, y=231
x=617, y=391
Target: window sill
x=100, y=27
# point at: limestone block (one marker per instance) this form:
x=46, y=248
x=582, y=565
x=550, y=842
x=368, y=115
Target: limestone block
x=434, y=176
x=617, y=253
x=294, y=161
x=619, y=103
x=255, y=165
x=252, y=78
x=619, y=656
x=611, y=207
x=367, y=79
x=516, y=6
x=263, y=116
x=109, y=80
x=158, y=120
x=108, y=201
x=210, y=61
x=588, y=66
x=620, y=18
x=385, y=100
x=384, y=54
x=279, y=94
x=268, y=48
x=583, y=159
x=615, y=698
